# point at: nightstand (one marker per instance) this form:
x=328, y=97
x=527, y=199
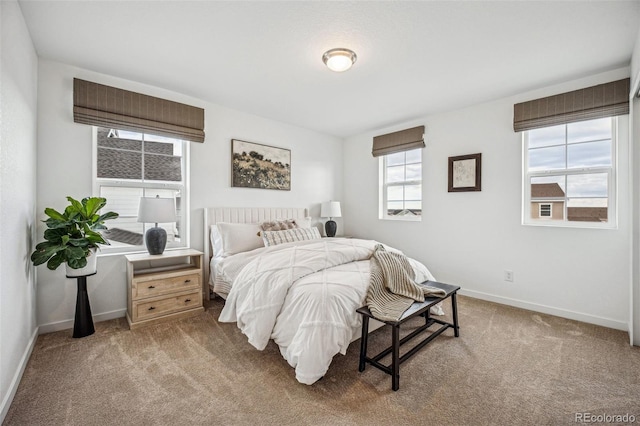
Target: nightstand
x=163, y=287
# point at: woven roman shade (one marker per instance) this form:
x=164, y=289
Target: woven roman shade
x=404, y=140
x=603, y=100
x=99, y=105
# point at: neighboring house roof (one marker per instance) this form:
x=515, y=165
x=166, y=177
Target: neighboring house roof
x=587, y=214
x=405, y=212
x=122, y=159
x=546, y=190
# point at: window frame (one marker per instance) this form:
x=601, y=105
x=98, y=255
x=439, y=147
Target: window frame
x=612, y=187
x=98, y=183
x=382, y=164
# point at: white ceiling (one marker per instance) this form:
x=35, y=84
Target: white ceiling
x=414, y=58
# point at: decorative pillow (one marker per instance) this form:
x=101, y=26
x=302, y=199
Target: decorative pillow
x=238, y=237
x=272, y=238
x=279, y=225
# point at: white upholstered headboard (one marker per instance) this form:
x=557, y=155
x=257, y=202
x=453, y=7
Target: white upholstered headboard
x=213, y=215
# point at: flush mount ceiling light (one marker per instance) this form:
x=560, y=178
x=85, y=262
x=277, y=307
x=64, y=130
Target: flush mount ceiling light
x=339, y=59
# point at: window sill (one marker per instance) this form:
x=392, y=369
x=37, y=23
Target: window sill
x=574, y=225
x=402, y=218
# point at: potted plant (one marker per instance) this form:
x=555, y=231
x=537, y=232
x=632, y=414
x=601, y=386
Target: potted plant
x=73, y=236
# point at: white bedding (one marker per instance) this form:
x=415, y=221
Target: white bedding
x=304, y=296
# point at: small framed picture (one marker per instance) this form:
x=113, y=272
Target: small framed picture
x=465, y=172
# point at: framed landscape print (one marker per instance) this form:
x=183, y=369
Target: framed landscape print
x=465, y=173
x=260, y=166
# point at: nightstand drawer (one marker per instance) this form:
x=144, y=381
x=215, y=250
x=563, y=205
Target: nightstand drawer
x=149, y=287
x=151, y=309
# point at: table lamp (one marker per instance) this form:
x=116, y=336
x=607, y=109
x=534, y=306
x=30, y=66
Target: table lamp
x=330, y=209
x=156, y=210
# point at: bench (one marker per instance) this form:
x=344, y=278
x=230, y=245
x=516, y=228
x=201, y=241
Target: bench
x=416, y=309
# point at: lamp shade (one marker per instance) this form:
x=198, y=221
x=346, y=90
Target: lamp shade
x=157, y=210
x=330, y=209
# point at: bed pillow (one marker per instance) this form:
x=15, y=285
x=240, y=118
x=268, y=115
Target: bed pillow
x=238, y=237
x=304, y=223
x=216, y=241
x=272, y=238
x=279, y=225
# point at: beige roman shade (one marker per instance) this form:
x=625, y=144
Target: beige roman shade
x=99, y=105
x=603, y=100
x=404, y=140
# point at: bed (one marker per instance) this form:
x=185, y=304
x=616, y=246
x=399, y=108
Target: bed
x=302, y=292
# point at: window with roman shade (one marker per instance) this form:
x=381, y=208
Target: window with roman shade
x=400, y=157
x=105, y=106
x=569, y=152
x=141, y=150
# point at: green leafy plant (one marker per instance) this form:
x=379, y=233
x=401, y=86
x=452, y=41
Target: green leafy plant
x=71, y=235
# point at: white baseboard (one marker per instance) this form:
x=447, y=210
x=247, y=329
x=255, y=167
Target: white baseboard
x=563, y=313
x=67, y=324
x=13, y=387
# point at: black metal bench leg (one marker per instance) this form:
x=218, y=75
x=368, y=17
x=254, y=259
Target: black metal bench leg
x=363, y=342
x=454, y=306
x=395, y=357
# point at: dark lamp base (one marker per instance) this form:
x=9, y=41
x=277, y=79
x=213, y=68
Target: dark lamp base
x=330, y=228
x=156, y=240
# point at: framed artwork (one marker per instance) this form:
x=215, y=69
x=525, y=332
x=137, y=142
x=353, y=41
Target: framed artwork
x=260, y=166
x=465, y=172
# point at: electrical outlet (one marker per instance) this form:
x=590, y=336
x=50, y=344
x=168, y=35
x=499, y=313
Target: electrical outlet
x=508, y=275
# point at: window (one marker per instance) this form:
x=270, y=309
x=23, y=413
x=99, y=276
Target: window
x=545, y=210
x=569, y=174
x=130, y=165
x=401, y=185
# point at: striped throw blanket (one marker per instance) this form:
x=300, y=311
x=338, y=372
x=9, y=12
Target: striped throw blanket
x=393, y=289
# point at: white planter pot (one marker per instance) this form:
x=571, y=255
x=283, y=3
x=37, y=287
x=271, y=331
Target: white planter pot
x=91, y=268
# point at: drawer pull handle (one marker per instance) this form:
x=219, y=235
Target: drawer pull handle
x=187, y=300
x=152, y=308
x=187, y=281
x=152, y=286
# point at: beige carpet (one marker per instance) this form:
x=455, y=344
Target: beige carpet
x=509, y=366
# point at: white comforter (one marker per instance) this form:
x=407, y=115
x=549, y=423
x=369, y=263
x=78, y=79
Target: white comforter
x=304, y=296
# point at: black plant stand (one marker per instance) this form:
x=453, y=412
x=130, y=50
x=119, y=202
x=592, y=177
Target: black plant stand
x=83, y=323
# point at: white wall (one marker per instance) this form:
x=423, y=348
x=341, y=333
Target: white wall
x=18, y=99
x=65, y=168
x=471, y=238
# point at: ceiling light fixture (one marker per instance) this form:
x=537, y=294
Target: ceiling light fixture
x=339, y=59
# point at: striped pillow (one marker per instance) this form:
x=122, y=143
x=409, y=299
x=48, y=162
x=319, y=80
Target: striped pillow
x=272, y=238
